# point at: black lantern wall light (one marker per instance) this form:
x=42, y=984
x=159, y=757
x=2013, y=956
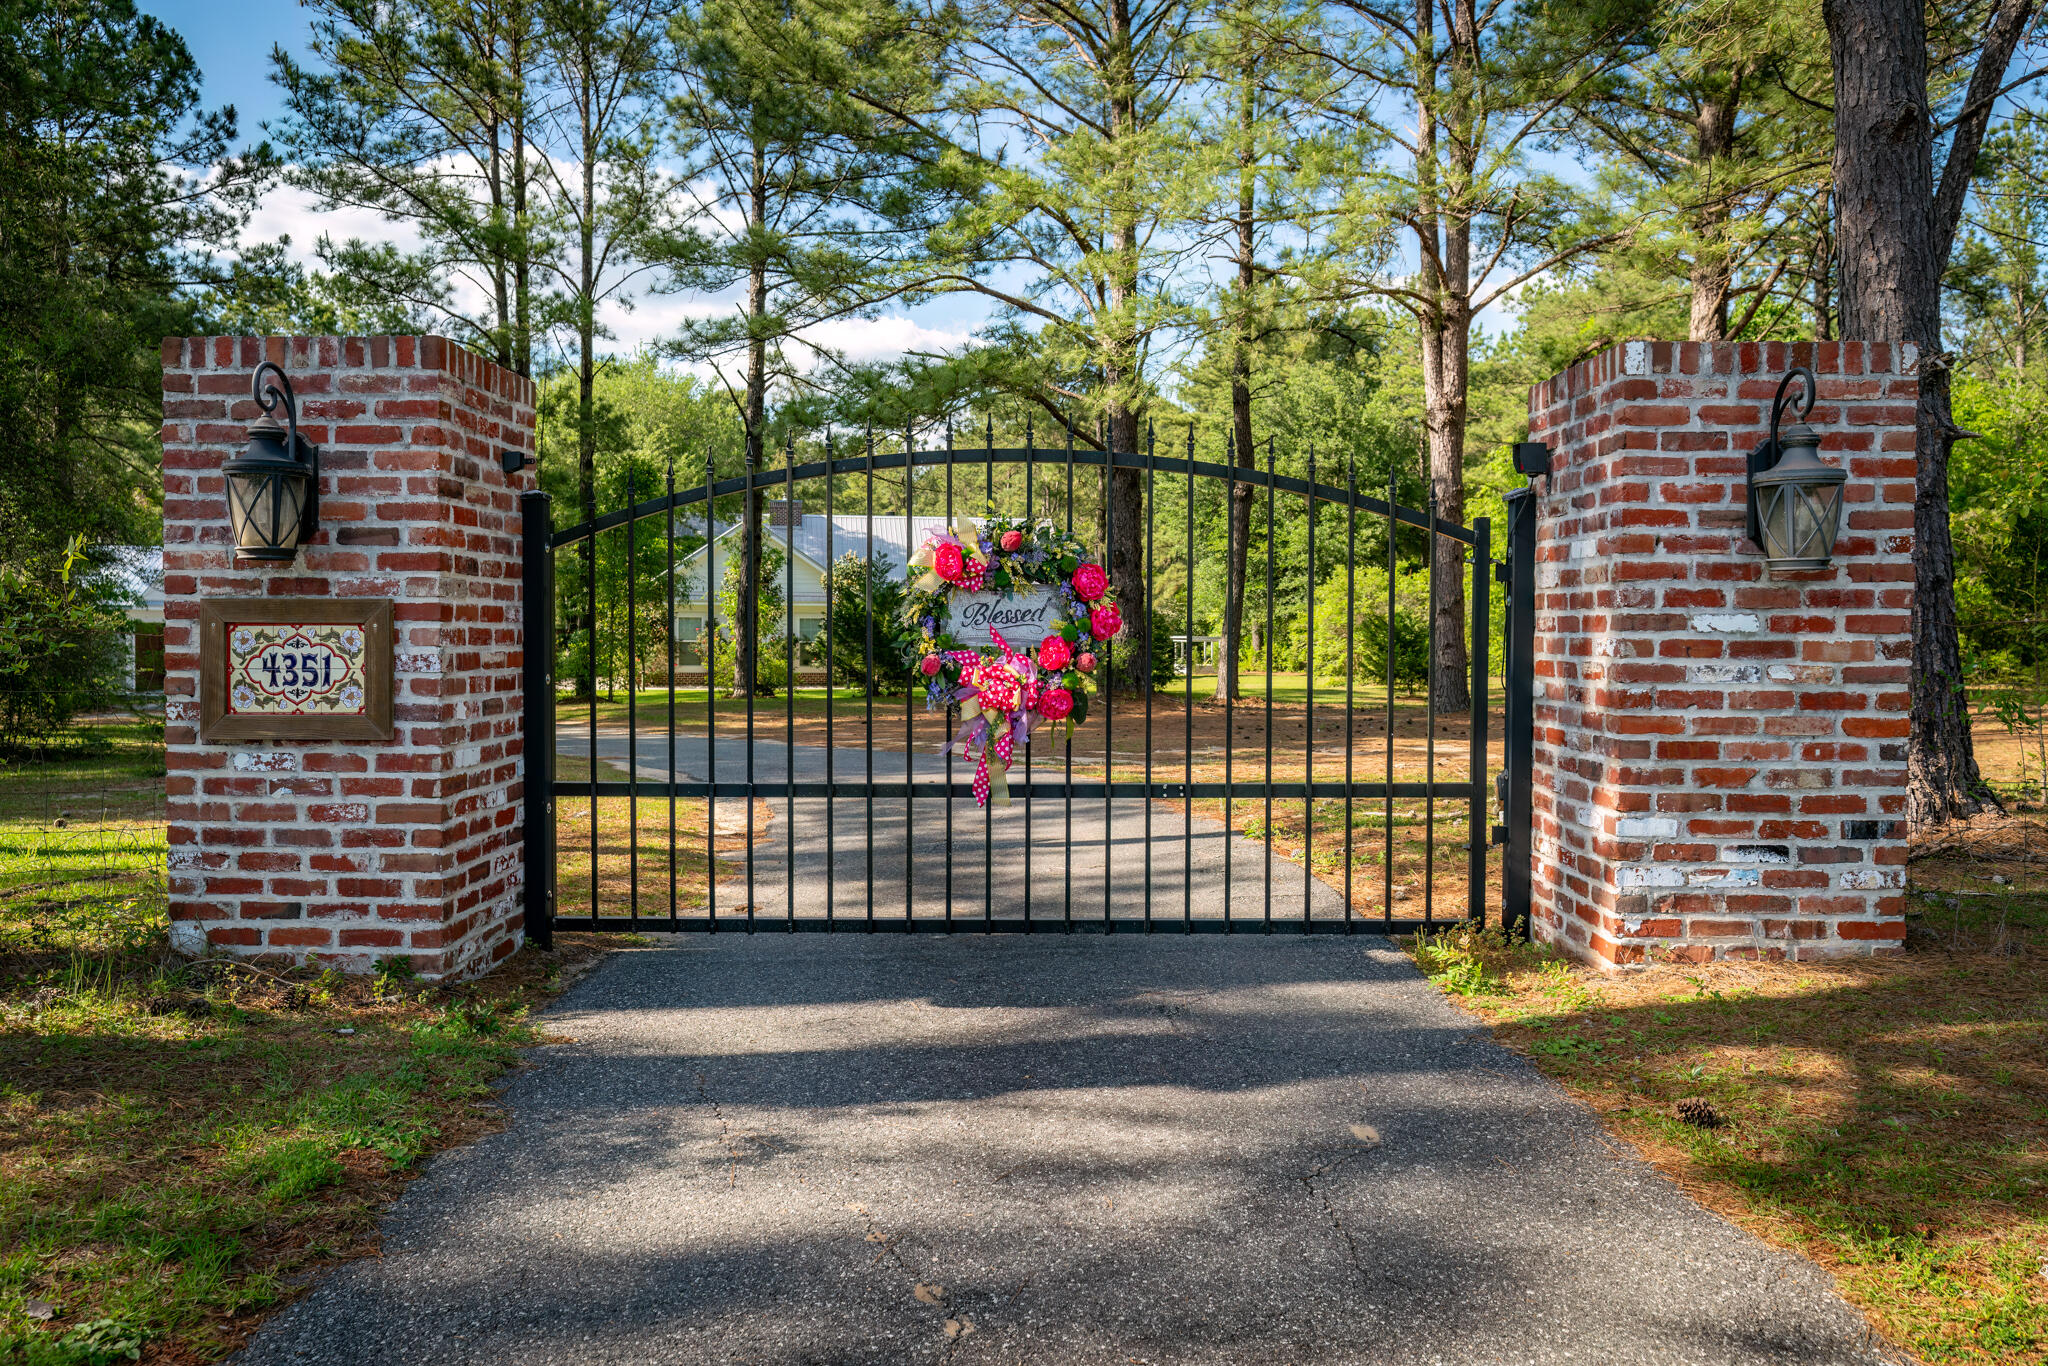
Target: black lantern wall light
x=1795, y=499
x=274, y=484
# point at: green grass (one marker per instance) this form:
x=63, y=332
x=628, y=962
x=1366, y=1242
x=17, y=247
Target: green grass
x=181, y=1144
x=82, y=841
x=1887, y=1117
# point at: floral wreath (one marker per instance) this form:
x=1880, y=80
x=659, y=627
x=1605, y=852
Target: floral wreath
x=1002, y=693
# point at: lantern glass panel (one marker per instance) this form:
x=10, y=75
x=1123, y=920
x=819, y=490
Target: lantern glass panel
x=1799, y=523
x=264, y=510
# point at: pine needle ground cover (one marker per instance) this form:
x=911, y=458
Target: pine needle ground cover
x=1886, y=1117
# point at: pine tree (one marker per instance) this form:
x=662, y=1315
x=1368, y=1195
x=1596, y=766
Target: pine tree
x=1068, y=134
x=1897, y=226
x=796, y=167
x=423, y=110
x=1465, y=92
x=1268, y=162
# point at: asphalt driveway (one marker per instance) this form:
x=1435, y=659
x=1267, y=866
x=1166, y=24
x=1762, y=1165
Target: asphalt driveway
x=1050, y=1149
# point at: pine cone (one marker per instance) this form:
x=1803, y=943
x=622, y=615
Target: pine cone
x=1699, y=1113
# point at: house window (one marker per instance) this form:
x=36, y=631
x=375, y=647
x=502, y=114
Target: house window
x=689, y=648
x=149, y=658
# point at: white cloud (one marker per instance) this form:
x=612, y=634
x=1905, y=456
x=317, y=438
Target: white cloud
x=288, y=211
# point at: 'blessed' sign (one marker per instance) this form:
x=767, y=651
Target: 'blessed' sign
x=1024, y=618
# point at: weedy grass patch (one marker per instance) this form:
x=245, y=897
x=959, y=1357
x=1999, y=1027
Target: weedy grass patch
x=182, y=1145
x=1886, y=1117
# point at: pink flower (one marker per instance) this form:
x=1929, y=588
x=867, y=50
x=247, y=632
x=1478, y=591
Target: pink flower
x=1055, y=703
x=1013, y=541
x=949, y=563
x=1086, y=663
x=1090, y=582
x=1054, y=652
x=1105, y=621
x=930, y=664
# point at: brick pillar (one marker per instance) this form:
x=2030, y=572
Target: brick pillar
x=1720, y=761
x=351, y=851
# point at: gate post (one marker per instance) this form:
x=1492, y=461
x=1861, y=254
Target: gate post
x=537, y=628
x=1518, y=743
x=297, y=826
x=1721, y=771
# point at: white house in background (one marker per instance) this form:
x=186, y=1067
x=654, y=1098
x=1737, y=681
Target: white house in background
x=138, y=570
x=812, y=540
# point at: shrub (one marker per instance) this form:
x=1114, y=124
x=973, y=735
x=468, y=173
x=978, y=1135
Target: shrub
x=859, y=590
x=61, y=632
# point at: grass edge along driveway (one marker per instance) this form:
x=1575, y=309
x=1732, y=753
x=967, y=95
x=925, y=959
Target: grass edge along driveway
x=1887, y=1118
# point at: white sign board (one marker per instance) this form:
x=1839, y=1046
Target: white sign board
x=1024, y=617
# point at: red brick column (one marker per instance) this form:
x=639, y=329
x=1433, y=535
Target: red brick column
x=354, y=851
x=1720, y=754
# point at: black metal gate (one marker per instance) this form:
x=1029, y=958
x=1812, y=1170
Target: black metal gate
x=1175, y=832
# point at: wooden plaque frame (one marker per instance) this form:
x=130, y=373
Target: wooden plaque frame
x=372, y=614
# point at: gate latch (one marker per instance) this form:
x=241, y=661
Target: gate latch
x=1500, y=834
x=1500, y=571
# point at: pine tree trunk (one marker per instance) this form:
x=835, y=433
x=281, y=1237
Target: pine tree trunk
x=1445, y=237
x=1711, y=276
x=1240, y=401
x=1445, y=374
x=1121, y=378
x=746, y=613
x=1892, y=254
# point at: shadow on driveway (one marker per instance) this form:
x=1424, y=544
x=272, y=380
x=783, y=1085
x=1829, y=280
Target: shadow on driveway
x=1067, y=1150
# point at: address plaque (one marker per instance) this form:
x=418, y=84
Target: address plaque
x=295, y=669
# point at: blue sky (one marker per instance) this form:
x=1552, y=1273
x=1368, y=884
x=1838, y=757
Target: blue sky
x=232, y=45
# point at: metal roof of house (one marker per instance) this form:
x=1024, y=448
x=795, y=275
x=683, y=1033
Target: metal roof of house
x=821, y=539
x=139, y=571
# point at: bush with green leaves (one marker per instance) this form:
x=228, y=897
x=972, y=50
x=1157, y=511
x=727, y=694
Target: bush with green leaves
x=61, y=636
x=862, y=590
x=1354, y=627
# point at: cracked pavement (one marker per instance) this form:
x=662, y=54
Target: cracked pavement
x=1052, y=1149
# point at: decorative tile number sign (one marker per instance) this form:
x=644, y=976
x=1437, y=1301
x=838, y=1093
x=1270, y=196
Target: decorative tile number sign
x=295, y=669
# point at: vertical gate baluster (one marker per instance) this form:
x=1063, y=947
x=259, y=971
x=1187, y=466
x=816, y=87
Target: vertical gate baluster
x=867, y=599
x=1145, y=683
x=790, y=510
x=1067, y=792
x=1350, y=669
x=748, y=502
x=669, y=534
x=831, y=690
x=1230, y=694
x=1267, y=881
x=1482, y=610
x=988, y=812
x=1429, y=744
x=910, y=697
x=590, y=624
x=632, y=707
x=710, y=700
x=949, y=706
x=1107, y=663
x=1187, y=821
x=1387, y=871
x=1031, y=526
x=1308, y=755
